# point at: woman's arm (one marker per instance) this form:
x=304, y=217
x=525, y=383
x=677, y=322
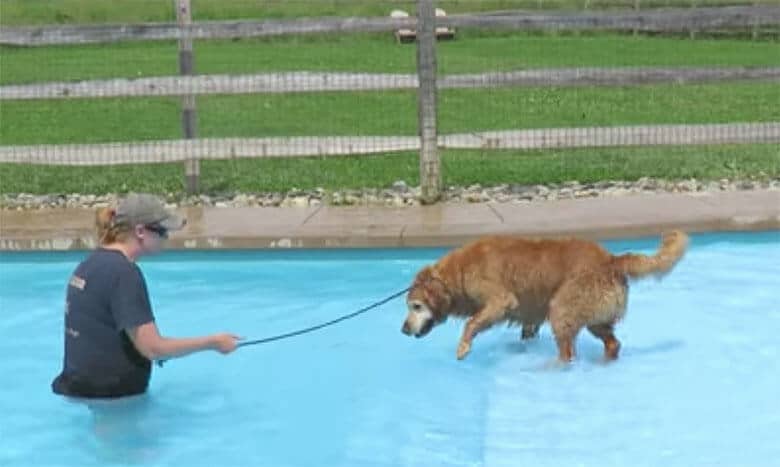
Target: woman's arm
x=153, y=346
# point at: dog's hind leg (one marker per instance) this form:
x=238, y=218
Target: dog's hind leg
x=492, y=312
x=595, y=299
x=606, y=333
x=565, y=329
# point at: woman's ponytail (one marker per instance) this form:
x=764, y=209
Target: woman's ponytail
x=104, y=225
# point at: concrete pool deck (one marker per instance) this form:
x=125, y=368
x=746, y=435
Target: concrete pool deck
x=438, y=225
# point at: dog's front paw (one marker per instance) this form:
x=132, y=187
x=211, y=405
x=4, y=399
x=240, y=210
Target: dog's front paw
x=463, y=349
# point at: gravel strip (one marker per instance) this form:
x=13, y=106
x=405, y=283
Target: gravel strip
x=401, y=194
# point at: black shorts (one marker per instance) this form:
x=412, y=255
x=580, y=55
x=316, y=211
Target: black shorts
x=66, y=384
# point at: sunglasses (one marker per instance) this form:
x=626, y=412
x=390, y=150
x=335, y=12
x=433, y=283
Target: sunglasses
x=161, y=231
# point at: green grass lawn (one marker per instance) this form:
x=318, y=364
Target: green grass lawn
x=23, y=12
x=375, y=113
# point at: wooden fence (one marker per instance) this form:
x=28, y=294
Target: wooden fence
x=187, y=85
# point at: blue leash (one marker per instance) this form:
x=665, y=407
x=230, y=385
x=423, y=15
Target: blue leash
x=315, y=327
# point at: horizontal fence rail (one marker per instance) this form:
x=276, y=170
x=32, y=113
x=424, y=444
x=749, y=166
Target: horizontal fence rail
x=660, y=20
x=229, y=148
x=317, y=82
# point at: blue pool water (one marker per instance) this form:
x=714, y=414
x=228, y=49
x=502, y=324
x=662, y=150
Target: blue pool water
x=697, y=384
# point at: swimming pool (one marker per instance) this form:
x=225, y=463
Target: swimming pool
x=697, y=382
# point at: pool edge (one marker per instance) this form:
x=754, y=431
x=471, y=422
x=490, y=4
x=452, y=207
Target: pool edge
x=442, y=225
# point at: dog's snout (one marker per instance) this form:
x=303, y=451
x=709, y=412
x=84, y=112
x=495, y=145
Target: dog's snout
x=405, y=328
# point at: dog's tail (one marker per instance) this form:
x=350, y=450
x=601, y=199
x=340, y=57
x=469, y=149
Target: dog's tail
x=671, y=251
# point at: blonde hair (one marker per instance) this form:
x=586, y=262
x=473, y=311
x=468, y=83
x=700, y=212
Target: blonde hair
x=107, y=231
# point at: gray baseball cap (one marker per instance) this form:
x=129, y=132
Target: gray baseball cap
x=145, y=209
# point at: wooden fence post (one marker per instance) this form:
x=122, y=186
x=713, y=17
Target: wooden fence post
x=430, y=171
x=636, y=9
x=188, y=114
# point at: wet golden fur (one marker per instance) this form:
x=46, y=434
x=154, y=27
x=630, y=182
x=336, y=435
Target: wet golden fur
x=571, y=283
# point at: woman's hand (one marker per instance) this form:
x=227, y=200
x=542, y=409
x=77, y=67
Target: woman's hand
x=224, y=343
x=153, y=346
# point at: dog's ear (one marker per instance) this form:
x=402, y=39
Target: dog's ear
x=424, y=276
x=435, y=293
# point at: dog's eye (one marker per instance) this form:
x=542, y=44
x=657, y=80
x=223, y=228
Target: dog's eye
x=417, y=307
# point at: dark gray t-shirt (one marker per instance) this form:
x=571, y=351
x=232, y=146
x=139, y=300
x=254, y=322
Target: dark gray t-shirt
x=106, y=296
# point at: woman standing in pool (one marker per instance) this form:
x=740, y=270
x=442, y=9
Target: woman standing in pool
x=110, y=334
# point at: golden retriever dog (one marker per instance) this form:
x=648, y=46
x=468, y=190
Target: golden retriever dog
x=571, y=283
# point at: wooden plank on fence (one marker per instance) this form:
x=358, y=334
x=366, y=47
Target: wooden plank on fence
x=106, y=33
x=662, y=20
x=649, y=20
x=231, y=148
x=627, y=76
x=205, y=148
x=653, y=135
x=297, y=82
x=212, y=84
